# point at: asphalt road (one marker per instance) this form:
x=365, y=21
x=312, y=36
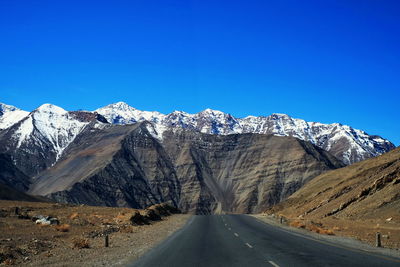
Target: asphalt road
x=241, y=240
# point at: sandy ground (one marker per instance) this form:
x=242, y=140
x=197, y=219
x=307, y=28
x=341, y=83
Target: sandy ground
x=23, y=243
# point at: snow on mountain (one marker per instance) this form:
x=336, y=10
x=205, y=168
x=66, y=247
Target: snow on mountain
x=49, y=125
x=9, y=115
x=38, y=140
x=56, y=128
x=122, y=113
x=348, y=144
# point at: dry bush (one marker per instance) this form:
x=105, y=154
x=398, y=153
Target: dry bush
x=129, y=229
x=320, y=230
x=80, y=243
x=297, y=224
x=313, y=228
x=328, y=232
x=122, y=218
x=63, y=228
x=8, y=262
x=336, y=228
x=74, y=216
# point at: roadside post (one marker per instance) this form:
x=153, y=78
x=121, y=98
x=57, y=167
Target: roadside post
x=378, y=240
x=106, y=241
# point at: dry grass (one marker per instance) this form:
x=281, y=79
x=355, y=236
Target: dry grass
x=74, y=216
x=310, y=226
x=297, y=224
x=80, y=243
x=356, y=201
x=63, y=228
x=80, y=227
x=8, y=262
x=320, y=230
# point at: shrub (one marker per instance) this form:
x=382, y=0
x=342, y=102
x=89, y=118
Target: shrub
x=297, y=224
x=80, y=243
x=63, y=227
x=320, y=230
x=74, y=215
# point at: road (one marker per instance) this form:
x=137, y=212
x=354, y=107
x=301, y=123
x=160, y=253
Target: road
x=241, y=240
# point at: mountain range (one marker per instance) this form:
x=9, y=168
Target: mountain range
x=344, y=142
x=203, y=163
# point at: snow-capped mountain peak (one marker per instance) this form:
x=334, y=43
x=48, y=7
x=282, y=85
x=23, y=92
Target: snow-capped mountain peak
x=343, y=141
x=49, y=127
x=212, y=112
x=50, y=109
x=53, y=126
x=122, y=113
x=9, y=115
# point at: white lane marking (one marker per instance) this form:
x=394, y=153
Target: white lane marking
x=250, y=246
x=236, y=234
x=273, y=264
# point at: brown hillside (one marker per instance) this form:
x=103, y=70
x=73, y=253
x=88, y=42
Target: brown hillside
x=357, y=200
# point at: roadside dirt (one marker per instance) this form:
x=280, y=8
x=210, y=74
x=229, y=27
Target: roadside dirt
x=23, y=242
x=354, y=234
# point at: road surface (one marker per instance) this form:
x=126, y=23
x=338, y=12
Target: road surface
x=242, y=240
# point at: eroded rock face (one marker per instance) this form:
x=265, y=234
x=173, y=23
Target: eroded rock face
x=115, y=166
x=199, y=173
x=242, y=173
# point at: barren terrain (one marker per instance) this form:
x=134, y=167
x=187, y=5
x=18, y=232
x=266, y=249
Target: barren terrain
x=357, y=201
x=79, y=239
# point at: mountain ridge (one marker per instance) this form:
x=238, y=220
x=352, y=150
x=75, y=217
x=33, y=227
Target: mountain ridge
x=346, y=143
x=125, y=165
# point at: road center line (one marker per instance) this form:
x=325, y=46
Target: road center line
x=236, y=234
x=273, y=264
x=250, y=246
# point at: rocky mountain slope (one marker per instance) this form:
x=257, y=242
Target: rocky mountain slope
x=112, y=166
x=11, y=176
x=13, y=183
x=241, y=173
x=205, y=162
x=365, y=194
x=346, y=143
x=10, y=193
x=200, y=173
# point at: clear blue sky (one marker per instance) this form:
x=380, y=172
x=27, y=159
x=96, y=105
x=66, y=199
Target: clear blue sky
x=327, y=61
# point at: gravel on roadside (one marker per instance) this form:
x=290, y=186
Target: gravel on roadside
x=124, y=248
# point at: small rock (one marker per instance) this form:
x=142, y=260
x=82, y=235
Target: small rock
x=389, y=219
